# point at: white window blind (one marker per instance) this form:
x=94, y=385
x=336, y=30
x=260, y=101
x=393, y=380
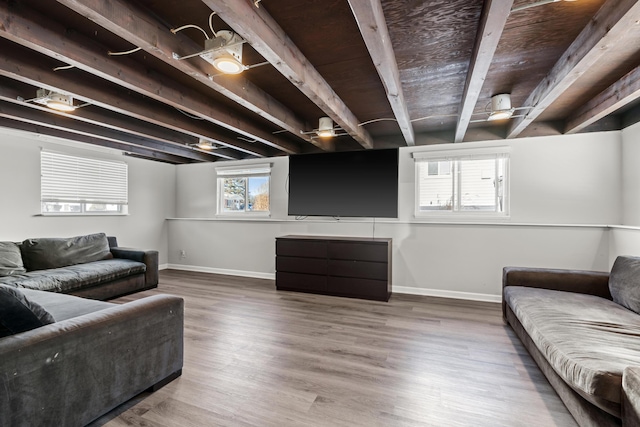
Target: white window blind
x=73, y=179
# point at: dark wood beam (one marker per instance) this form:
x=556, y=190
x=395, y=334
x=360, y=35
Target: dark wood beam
x=38, y=33
x=44, y=130
x=373, y=27
x=492, y=22
x=141, y=138
x=53, y=120
x=146, y=32
x=21, y=66
x=616, y=96
x=264, y=34
x=608, y=28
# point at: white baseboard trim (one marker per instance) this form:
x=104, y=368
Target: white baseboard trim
x=470, y=296
x=447, y=294
x=243, y=273
x=163, y=266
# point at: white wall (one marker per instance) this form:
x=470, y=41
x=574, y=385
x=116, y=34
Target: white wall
x=625, y=240
x=572, y=181
x=151, y=196
x=631, y=175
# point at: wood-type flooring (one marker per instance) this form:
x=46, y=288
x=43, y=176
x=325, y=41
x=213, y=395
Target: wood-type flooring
x=255, y=356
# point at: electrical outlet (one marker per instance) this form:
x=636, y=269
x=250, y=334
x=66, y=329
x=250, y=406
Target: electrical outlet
x=183, y=254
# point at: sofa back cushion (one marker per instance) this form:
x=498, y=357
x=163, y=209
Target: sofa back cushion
x=624, y=282
x=18, y=313
x=45, y=253
x=10, y=259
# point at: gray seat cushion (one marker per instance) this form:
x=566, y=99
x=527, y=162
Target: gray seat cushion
x=70, y=278
x=63, y=307
x=588, y=340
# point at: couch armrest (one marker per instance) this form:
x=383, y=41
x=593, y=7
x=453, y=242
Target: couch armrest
x=149, y=258
x=73, y=371
x=579, y=281
x=631, y=396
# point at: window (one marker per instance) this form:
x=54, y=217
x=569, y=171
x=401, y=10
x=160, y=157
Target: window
x=79, y=185
x=473, y=183
x=244, y=190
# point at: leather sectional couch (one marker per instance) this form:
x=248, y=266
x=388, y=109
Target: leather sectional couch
x=583, y=330
x=67, y=360
x=91, y=266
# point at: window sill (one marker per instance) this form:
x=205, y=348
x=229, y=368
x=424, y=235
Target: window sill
x=80, y=214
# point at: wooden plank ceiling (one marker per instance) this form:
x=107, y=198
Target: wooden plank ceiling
x=389, y=73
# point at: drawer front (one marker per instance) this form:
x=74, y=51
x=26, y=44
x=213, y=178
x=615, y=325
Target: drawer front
x=302, y=282
x=301, y=265
x=362, y=288
x=359, y=269
x=301, y=248
x=359, y=251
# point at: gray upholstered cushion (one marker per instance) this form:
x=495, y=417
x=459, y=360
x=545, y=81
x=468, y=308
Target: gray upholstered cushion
x=19, y=314
x=588, y=340
x=62, y=306
x=45, y=253
x=10, y=259
x=74, y=277
x=624, y=282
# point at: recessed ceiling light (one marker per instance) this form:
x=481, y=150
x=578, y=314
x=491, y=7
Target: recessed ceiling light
x=501, y=107
x=55, y=100
x=227, y=64
x=325, y=128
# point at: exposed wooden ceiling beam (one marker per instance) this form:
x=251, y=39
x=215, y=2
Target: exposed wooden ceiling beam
x=264, y=34
x=36, y=32
x=373, y=27
x=12, y=116
x=616, y=96
x=141, y=137
x=144, y=31
x=24, y=68
x=492, y=22
x=607, y=29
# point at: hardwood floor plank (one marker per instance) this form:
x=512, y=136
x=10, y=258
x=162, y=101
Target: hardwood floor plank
x=258, y=357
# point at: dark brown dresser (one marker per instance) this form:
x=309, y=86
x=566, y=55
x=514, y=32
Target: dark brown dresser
x=354, y=267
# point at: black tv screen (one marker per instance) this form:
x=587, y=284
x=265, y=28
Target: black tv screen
x=345, y=184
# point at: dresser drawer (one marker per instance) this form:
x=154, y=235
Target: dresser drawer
x=301, y=248
x=301, y=265
x=358, y=269
x=362, y=288
x=300, y=282
x=359, y=251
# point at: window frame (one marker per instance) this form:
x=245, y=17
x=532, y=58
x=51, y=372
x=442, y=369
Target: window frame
x=53, y=168
x=245, y=172
x=455, y=157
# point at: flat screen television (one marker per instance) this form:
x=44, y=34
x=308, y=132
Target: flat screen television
x=344, y=184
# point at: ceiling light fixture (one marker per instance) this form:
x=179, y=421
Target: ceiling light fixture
x=205, y=144
x=501, y=107
x=540, y=3
x=55, y=100
x=325, y=128
x=223, y=51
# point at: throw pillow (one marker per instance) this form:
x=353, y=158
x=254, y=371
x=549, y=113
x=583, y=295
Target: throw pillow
x=45, y=253
x=624, y=282
x=19, y=314
x=10, y=259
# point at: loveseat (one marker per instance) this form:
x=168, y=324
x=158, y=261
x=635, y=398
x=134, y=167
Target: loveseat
x=583, y=330
x=91, y=266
